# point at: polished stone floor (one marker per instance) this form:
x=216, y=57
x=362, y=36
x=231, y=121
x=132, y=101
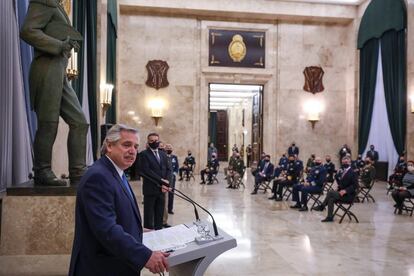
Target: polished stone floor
x=275, y=240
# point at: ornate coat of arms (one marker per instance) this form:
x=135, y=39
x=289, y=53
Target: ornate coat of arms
x=237, y=48
x=157, y=74
x=313, y=79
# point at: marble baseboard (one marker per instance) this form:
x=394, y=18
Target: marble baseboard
x=37, y=225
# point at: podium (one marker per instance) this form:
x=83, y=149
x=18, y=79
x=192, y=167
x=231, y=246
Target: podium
x=194, y=259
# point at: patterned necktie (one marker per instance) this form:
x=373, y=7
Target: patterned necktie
x=125, y=182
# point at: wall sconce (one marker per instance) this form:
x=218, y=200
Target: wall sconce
x=157, y=107
x=106, y=97
x=72, y=69
x=313, y=109
x=412, y=103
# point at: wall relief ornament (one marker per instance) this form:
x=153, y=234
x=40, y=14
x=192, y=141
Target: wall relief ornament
x=237, y=49
x=157, y=74
x=313, y=79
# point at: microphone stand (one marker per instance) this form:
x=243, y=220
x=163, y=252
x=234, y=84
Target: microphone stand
x=188, y=199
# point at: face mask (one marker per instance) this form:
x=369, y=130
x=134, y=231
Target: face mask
x=189, y=154
x=237, y=157
x=169, y=151
x=267, y=160
x=328, y=160
x=318, y=163
x=410, y=168
x=293, y=145
x=345, y=166
x=154, y=145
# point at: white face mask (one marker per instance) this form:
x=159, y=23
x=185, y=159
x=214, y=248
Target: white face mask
x=410, y=168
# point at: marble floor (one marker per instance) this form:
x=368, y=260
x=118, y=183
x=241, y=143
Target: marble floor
x=275, y=240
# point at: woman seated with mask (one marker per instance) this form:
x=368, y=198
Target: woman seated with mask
x=407, y=188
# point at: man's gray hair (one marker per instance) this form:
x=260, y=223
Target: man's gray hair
x=114, y=134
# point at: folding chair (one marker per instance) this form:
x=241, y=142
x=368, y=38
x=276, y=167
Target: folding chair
x=264, y=185
x=316, y=197
x=239, y=182
x=408, y=206
x=190, y=174
x=345, y=207
x=364, y=192
x=214, y=177
x=287, y=192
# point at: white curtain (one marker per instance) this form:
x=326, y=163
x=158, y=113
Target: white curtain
x=15, y=149
x=380, y=133
x=85, y=102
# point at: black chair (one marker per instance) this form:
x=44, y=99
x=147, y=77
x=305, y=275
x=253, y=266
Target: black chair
x=316, y=196
x=265, y=184
x=345, y=207
x=190, y=173
x=214, y=177
x=364, y=192
x=408, y=206
x=236, y=184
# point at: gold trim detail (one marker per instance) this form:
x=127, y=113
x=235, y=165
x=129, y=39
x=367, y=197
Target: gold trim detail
x=237, y=49
x=260, y=37
x=260, y=62
x=213, y=37
x=213, y=60
x=67, y=5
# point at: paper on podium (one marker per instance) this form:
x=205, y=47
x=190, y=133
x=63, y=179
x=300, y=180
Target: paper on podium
x=171, y=238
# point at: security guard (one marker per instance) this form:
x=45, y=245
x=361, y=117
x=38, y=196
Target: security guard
x=188, y=166
x=313, y=184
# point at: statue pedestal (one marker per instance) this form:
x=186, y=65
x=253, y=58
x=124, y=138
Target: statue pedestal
x=37, y=220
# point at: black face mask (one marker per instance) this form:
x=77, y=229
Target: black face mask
x=189, y=154
x=291, y=161
x=267, y=160
x=169, y=151
x=318, y=163
x=328, y=160
x=154, y=145
x=346, y=166
x=293, y=145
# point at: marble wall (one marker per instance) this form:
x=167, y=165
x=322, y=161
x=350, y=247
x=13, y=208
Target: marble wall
x=290, y=47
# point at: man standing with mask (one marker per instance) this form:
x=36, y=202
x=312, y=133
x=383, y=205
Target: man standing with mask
x=153, y=167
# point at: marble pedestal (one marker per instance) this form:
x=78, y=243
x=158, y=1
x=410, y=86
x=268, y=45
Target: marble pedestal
x=38, y=221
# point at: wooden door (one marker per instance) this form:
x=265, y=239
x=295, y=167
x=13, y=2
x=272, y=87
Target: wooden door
x=257, y=127
x=222, y=135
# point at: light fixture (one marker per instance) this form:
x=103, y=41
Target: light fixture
x=106, y=97
x=72, y=69
x=313, y=108
x=412, y=103
x=157, y=107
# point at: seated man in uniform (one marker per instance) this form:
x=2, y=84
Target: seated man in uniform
x=265, y=172
x=187, y=167
x=236, y=172
x=347, y=180
x=313, y=184
x=283, y=161
x=232, y=160
x=358, y=164
x=310, y=163
x=395, y=180
x=211, y=168
x=367, y=174
x=330, y=169
x=290, y=177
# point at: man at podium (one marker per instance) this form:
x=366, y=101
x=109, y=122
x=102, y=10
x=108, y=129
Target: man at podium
x=108, y=225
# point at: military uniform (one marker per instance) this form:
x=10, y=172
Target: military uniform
x=316, y=178
x=292, y=174
x=236, y=172
x=330, y=171
x=367, y=175
x=51, y=93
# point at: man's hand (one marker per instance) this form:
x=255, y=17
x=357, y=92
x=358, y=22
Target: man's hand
x=342, y=192
x=148, y=230
x=402, y=188
x=165, y=189
x=306, y=184
x=158, y=262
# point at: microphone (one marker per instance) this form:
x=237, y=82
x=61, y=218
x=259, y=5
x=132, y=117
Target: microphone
x=188, y=199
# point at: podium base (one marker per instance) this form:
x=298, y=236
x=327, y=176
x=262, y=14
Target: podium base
x=202, y=240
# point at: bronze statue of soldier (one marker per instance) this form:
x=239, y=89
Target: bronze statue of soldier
x=48, y=29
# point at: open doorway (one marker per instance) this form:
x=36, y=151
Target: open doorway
x=236, y=119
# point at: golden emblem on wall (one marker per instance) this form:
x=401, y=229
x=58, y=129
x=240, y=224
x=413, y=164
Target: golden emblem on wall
x=237, y=48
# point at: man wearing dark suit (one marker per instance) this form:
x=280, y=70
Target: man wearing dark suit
x=155, y=171
x=293, y=149
x=264, y=173
x=330, y=169
x=290, y=177
x=373, y=154
x=347, y=180
x=345, y=150
x=108, y=228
